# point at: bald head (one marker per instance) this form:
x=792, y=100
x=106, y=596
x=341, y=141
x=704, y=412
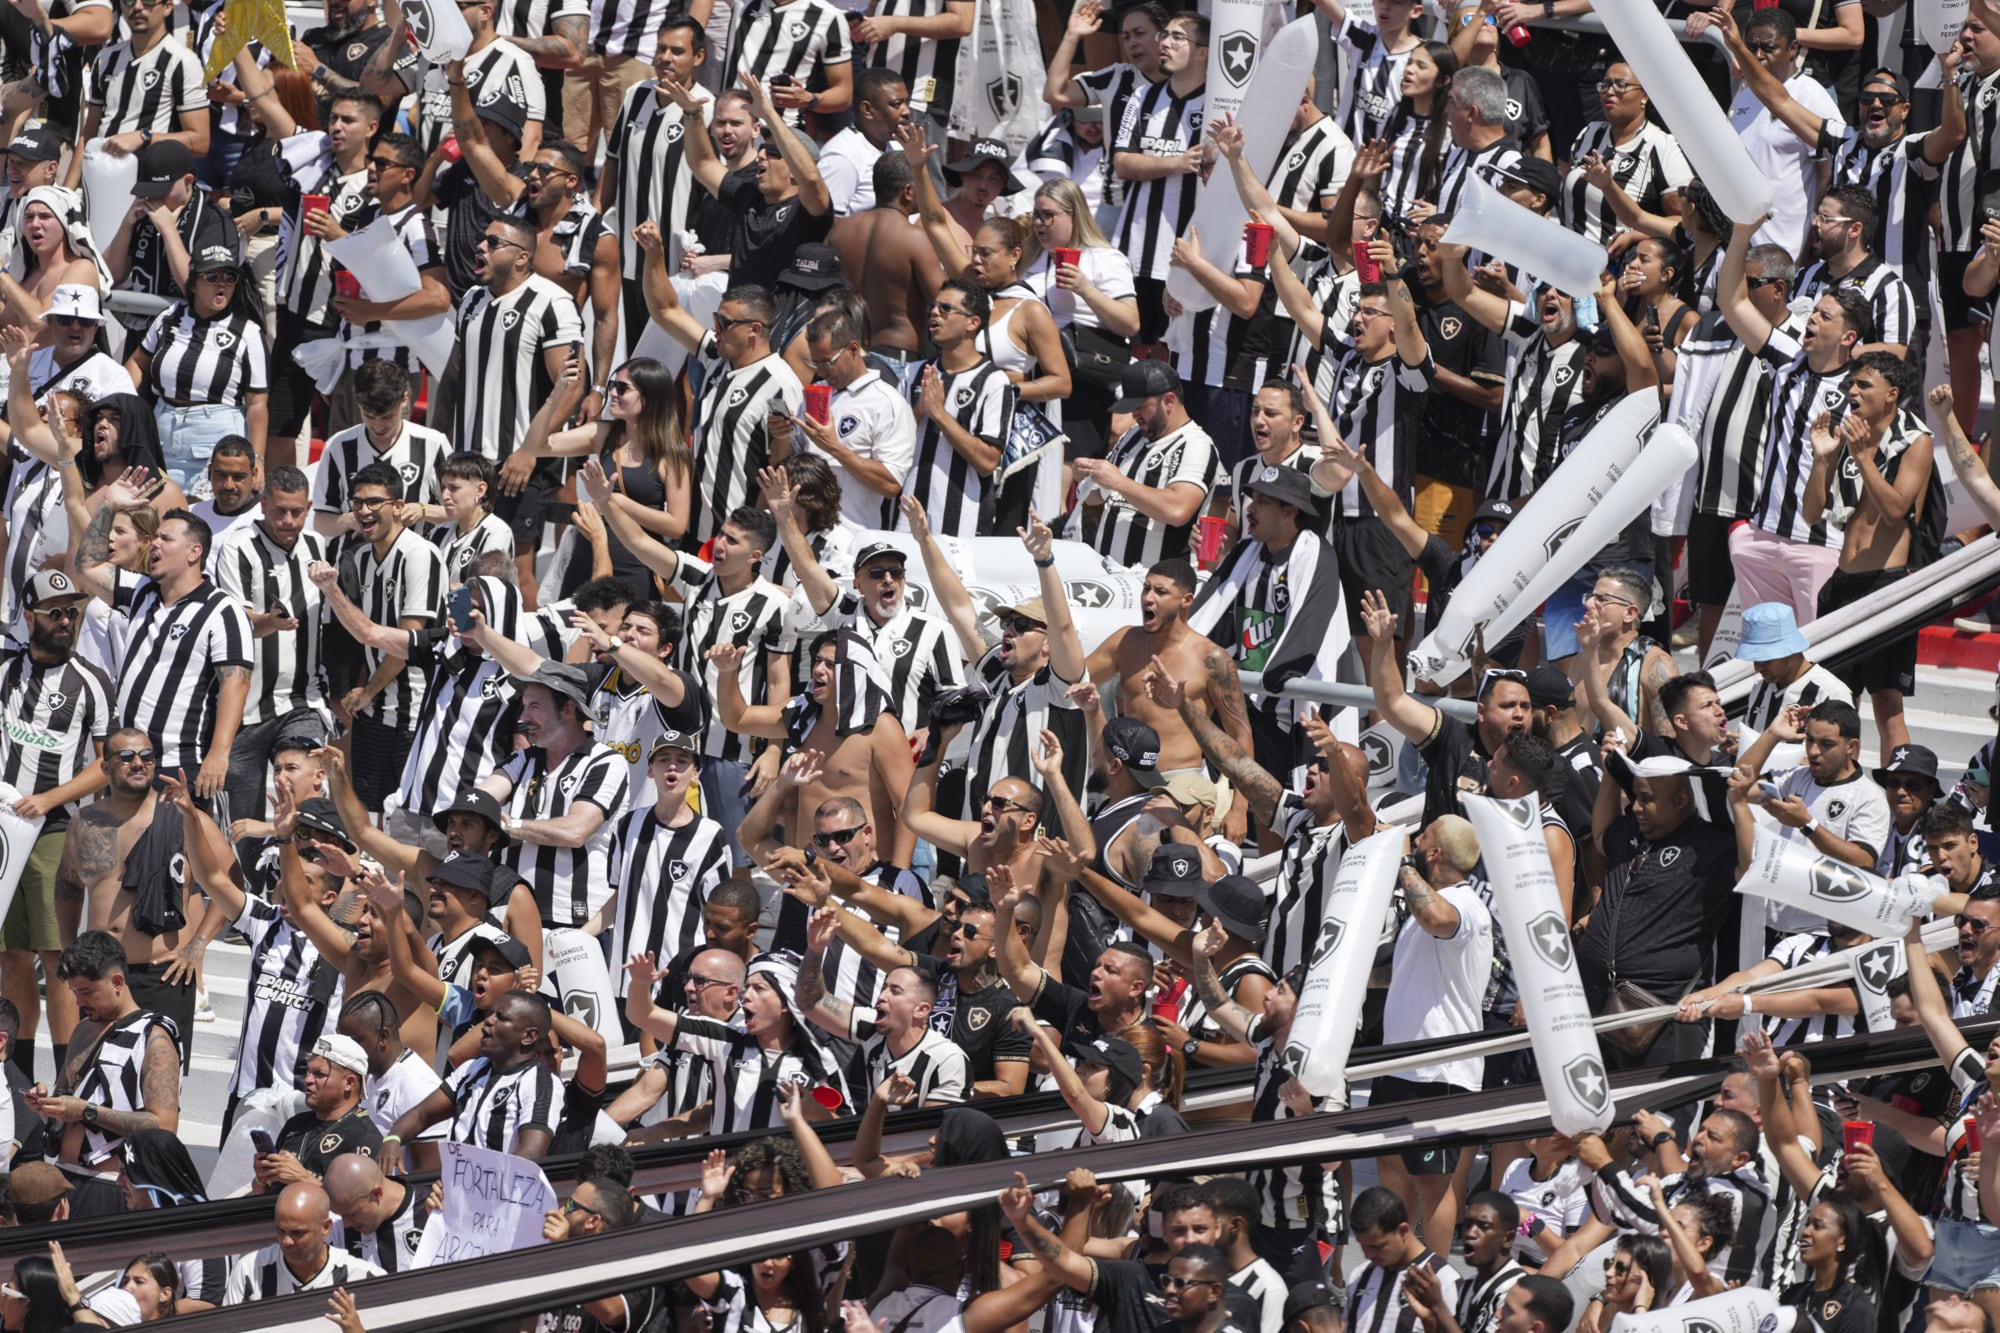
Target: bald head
x=721, y=965
x=304, y=1202
x=349, y=1177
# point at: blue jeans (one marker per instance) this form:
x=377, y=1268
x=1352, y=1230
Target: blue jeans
x=725, y=798
x=188, y=436
x=1968, y=1256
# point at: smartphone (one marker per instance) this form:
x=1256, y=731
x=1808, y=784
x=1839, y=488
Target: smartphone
x=460, y=607
x=1365, y=268
x=261, y=1140
x=280, y=610
x=1770, y=791
x=1653, y=315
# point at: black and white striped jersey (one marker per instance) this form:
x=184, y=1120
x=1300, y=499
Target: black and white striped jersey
x=1193, y=1014
x=458, y=956
x=629, y=717
x=463, y=550
x=1900, y=203
x=506, y=378
x=1890, y=300
x=1124, y=535
x=171, y=676
x=413, y=227
x=1309, y=856
x=746, y=1076
x=1796, y=951
x=935, y=1064
x=664, y=873
x=1480, y=1300
x=198, y=361
x=114, y=1077
x=390, y=1246
x=1542, y=382
x=1799, y=394
x=501, y=71
x=644, y=154
x=1722, y=395
x=1337, y=296
x=464, y=732
x=1111, y=88
x=1291, y=1197
x=1377, y=407
x=919, y=653
x=415, y=453
x=1844, y=485
x=51, y=719
x=1752, y=1200
x=293, y=992
x=799, y=39
x=492, y=1107
x=1375, y=1295
x=37, y=527
x=627, y=27
x=957, y=497
x=847, y=974
x=1158, y=122
x=1648, y=167
x=570, y=883
x=1370, y=96
x=1217, y=347
x=1001, y=739
x=1302, y=458
x=263, y=1275
x=1405, y=180
x=753, y=616
x=577, y=233
x=263, y=576
x=1813, y=687
x=929, y=67
x=731, y=440
x=1969, y=171
x=405, y=584
x=1460, y=166
x=160, y=90
x=1314, y=163
x=305, y=284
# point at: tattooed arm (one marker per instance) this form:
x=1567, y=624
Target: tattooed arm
x=1223, y=1010
x=159, y=1091
x=233, y=693
x=1225, y=699
x=1657, y=671
x=1017, y=1202
x=1437, y=916
x=90, y=852
x=1965, y=460
x=92, y=566
x=815, y=1002
x=564, y=46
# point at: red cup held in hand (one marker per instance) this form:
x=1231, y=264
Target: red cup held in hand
x=1209, y=542
x=1365, y=268
x=1972, y=1133
x=1519, y=35
x=819, y=402
x=1064, y=254
x=1854, y=1132
x=346, y=284
x=310, y=204
x=1256, y=243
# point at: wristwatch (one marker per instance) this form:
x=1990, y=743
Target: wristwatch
x=1810, y=827
x=1189, y=1047
x=1665, y=1136
x=145, y=138
x=90, y=1113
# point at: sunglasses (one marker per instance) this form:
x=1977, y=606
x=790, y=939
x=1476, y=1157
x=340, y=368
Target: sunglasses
x=572, y=1206
x=73, y=321
x=225, y=276
x=886, y=572
x=1022, y=625
x=617, y=387
x=1763, y=282
x=492, y=242
x=1168, y=1282
x=1880, y=99
x=545, y=169
x=1619, y=1267
x=1485, y=530
x=940, y=308
x=969, y=929
x=1001, y=805
x=385, y=163
x=57, y=612
x=127, y=756
x=839, y=837
x=1494, y=675
x=724, y=323
x=702, y=983
x=1973, y=924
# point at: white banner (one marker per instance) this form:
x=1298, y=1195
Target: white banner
x=1000, y=74
x=576, y=981
x=1264, y=98
x=1873, y=969
x=1744, y=1310
x=1544, y=524
x=1939, y=21
x=494, y=1202
x=1329, y=1008
x=1532, y=921
x=381, y=263
x=1789, y=871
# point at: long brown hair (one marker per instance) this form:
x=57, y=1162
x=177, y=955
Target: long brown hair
x=659, y=431
x=1167, y=1067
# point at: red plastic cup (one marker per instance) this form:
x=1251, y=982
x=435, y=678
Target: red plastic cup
x=1064, y=254
x=346, y=284
x=1853, y=1132
x=1256, y=243
x=828, y=1096
x=1972, y=1133
x=310, y=204
x=450, y=147
x=1365, y=268
x=1209, y=543
x=819, y=402
x=1519, y=35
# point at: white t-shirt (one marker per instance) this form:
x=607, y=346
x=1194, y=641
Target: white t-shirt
x=872, y=420
x=1561, y=1201
x=1785, y=159
x=1436, y=985
x=847, y=165
x=1855, y=810
x=404, y=1085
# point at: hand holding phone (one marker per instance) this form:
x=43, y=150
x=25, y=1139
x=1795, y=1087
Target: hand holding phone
x=261, y=1140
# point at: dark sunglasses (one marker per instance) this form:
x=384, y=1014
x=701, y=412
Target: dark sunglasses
x=1972, y=923
x=886, y=572
x=1762, y=282
x=1485, y=530
x=72, y=321
x=969, y=929
x=839, y=837
x=127, y=756
x=1883, y=99
x=1022, y=625
x=1003, y=805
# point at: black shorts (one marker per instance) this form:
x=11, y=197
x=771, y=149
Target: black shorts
x=1388, y=1090
x=1372, y=560
x=1711, y=578
x=379, y=753
x=1961, y=311
x=1889, y=664
x=524, y=514
x=292, y=389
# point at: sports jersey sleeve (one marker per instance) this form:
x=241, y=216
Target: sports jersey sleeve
x=951, y=1074
x=563, y=325
x=256, y=362
x=839, y=46
x=457, y=1007
x=229, y=641
x=606, y=783
x=420, y=595
x=189, y=89
x=156, y=332
x=704, y=1037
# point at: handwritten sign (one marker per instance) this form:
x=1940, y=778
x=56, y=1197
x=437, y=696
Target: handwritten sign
x=493, y=1202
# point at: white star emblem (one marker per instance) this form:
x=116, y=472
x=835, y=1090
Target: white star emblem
x=1552, y=939
x=1591, y=1083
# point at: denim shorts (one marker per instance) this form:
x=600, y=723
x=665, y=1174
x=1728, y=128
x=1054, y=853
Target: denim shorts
x=1967, y=1258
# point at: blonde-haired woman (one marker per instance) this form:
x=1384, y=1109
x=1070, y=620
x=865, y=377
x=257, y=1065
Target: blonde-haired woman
x=1094, y=304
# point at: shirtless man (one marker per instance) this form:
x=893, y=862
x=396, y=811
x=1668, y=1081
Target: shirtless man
x=1877, y=463
x=1163, y=632
x=313, y=845
x=867, y=763
x=884, y=254
x=101, y=839
x=91, y=1101
x=556, y=178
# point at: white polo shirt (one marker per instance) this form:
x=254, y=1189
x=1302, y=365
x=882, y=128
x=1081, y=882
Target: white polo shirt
x=1436, y=986
x=873, y=420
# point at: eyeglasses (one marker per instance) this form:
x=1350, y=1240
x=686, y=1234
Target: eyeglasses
x=492, y=242
x=1973, y=924
x=1001, y=805
x=940, y=308
x=1494, y=675
x=969, y=929
x=887, y=572
x=127, y=756
x=548, y=169
x=1762, y=282
x=1880, y=99
x=73, y=321
x=357, y=504
x=1168, y=1282
x=1616, y=87
x=701, y=983
x=1370, y=312
x=1601, y=597
x=744, y=1194
x=1825, y=219
x=840, y=837
x=1174, y=37
x=572, y=1206
x=724, y=323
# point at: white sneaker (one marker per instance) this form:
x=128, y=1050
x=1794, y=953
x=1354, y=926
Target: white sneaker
x=204, y=1012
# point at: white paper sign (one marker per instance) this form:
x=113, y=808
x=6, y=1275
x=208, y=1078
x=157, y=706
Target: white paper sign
x=493, y=1202
x=17, y=843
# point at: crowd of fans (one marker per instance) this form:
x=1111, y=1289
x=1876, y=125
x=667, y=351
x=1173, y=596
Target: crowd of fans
x=417, y=678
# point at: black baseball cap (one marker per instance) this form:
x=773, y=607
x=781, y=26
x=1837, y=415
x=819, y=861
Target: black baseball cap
x=977, y=156
x=210, y=258
x=472, y=802
x=1112, y=1052
x=509, y=948
x=1137, y=746
x=1305, y=1297
x=1548, y=687
x=322, y=816
x=1148, y=378
x=874, y=551
x=1240, y=905
x=161, y=164
x=37, y=143
x=1495, y=511
x=471, y=871
x=1175, y=873
x=1537, y=174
